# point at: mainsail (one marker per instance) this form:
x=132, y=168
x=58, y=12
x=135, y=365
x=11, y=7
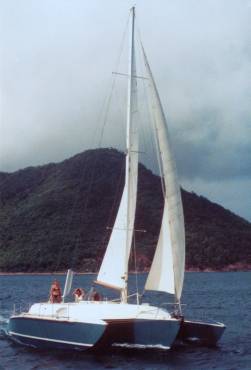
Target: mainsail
x=114, y=269
x=167, y=270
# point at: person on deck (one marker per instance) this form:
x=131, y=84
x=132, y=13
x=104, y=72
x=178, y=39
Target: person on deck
x=55, y=292
x=79, y=294
x=95, y=296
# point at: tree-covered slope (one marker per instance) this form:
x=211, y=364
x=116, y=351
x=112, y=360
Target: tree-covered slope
x=59, y=215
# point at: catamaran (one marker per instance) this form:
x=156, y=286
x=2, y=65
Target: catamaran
x=88, y=324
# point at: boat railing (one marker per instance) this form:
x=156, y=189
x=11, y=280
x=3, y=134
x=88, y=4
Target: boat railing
x=176, y=308
x=55, y=312
x=175, y=305
x=115, y=300
x=137, y=295
x=19, y=308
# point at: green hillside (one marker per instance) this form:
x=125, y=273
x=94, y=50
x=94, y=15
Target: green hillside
x=59, y=215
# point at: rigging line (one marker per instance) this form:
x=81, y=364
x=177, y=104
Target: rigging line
x=159, y=160
x=50, y=235
x=153, y=121
x=10, y=177
x=117, y=196
x=101, y=135
x=134, y=236
x=73, y=209
x=134, y=250
x=152, y=136
x=113, y=82
x=67, y=222
x=146, y=128
x=106, y=235
x=135, y=268
x=83, y=172
x=107, y=100
x=104, y=110
x=143, y=126
x=77, y=194
x=85, y=168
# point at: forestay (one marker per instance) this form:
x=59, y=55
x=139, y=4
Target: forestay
x=167, y=271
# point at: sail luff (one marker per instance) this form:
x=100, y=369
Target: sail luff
x=173, y=219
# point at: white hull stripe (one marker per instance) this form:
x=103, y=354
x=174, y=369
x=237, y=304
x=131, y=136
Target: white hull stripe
x=51, y=340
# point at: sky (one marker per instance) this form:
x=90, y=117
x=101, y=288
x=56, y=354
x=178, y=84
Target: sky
x=56, y=63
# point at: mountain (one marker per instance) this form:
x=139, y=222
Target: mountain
x=60, y=215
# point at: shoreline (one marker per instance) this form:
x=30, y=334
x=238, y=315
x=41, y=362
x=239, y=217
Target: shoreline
x=234, y=269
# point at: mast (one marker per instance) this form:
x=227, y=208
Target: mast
x=113, y=272
x=131, y=109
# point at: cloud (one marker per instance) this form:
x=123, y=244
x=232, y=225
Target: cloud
x=213, y=153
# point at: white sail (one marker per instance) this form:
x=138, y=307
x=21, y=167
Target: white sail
x=161, y=275
x=111, y=273
x=171, y=242
x=114, y=268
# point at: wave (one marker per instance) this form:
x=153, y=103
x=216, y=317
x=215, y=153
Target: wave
x=3, y=320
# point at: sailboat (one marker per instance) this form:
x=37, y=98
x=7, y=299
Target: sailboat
x=88, y=324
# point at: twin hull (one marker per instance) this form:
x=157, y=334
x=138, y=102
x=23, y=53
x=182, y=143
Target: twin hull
x=86, y=325
x=200, y=332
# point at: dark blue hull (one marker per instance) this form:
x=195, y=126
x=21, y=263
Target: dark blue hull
x=46, y=333
x=200, y=332
x=141, y=333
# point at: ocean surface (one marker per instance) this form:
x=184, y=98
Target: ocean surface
x=224, y=297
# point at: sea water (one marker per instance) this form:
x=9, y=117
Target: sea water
x=224, y=297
